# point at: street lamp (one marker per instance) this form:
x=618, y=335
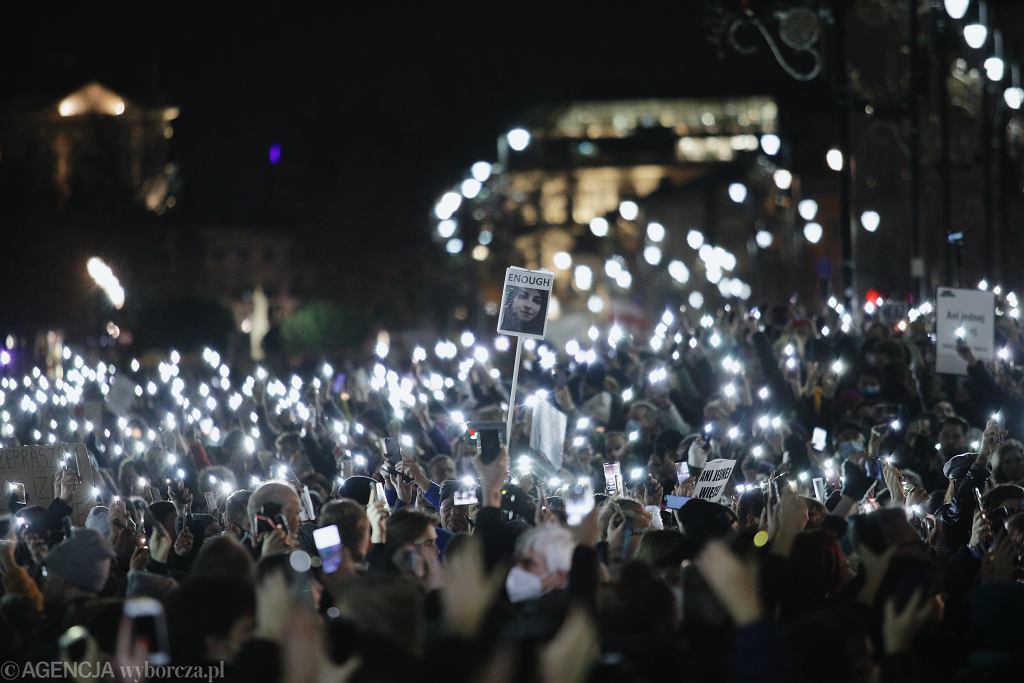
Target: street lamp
x=956, y=9
x=105, y=279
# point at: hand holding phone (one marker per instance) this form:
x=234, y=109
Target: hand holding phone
x=328, y=545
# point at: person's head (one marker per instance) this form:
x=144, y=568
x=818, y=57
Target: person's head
x=545, y=551
x=943, y=409
x=1008, y=462
x=748, y=512
x=642, y=413
x=615, y=446
x=454, y=518
x=282, y=495
x=163, y=511
x=78, y=565
x=413, y=527
x=816, y=512
x=123, y=532
x=1010, y=496
x=817, y=563
x=228, y=609
x=236, y=516
x=526, y=303
x=353, y=526
x=869, y=382
x=441, y=468
x=223, y=557
x=662, y=550
x=848, y=439
x=953, y=436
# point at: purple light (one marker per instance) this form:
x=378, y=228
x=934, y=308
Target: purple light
x=275, y=154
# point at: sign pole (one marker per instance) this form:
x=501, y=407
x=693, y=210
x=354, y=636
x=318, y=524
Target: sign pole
x=512, y=395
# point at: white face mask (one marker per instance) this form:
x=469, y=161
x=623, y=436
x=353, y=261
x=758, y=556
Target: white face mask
x=523, y=585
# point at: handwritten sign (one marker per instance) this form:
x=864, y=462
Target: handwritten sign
x=713, y=479
x=970, y=311
x=36, y=467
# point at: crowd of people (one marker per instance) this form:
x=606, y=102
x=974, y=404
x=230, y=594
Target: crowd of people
x=361, y=523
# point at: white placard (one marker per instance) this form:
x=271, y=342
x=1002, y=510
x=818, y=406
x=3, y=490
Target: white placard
x=971, y=309
x=524, y=303
x=121, y=397
x=713, y=479
x=547, y=433
x=35, y=467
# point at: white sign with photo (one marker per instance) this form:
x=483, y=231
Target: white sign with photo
x=971, y=312
x=524, y=303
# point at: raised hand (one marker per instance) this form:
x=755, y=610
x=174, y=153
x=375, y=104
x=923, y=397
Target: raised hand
x=733, y=581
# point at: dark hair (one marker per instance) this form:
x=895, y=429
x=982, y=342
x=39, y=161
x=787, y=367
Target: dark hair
x=288, y=442
x=236, y=507
x=998, y=495
x=956, y=421
x=223, y=557
x=220, y=601
x=817, y=560
x=406, y=524
x=667, y=442
x=350, y=518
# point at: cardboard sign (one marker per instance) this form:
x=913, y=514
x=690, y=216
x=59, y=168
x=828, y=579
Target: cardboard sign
x=36, y=466
x=972, y=310
x=121, y=397
x=547, y=433
x=524, y=303
x=713, y=479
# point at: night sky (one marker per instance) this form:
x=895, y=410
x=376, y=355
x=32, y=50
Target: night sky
x=377, y=113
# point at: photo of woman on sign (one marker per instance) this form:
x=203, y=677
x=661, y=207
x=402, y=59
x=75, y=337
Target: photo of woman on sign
x=524, y=311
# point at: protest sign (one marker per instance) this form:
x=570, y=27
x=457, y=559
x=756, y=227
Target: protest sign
x=35, y=467
x=524, y=303
x=547, y=433
x=121, y=397
x=972, y=313
x=524, y=313
x=713, y=479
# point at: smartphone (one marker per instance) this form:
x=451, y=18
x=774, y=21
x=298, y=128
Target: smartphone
x=328, y=545
x=682, y=471
x=579, y=501
x=70, y=462
x=613, y=485
x=307, y=513
x=148, y=624
x=466, y=496
x=489, y=438
x=267, y=518
x=675, y=502
x=819, y=489
x=819, y=439
x=392, y=450
x=339, y=383
x=380, y=492
x=17, y=492
x=981, y=505
x=74, y=643
x=211, y=502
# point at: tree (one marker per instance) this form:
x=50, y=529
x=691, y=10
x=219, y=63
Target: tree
x=323, y=327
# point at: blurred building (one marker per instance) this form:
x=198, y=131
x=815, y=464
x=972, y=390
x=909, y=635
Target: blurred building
x=633, y=204
x=91, y=149
x=238, y=261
